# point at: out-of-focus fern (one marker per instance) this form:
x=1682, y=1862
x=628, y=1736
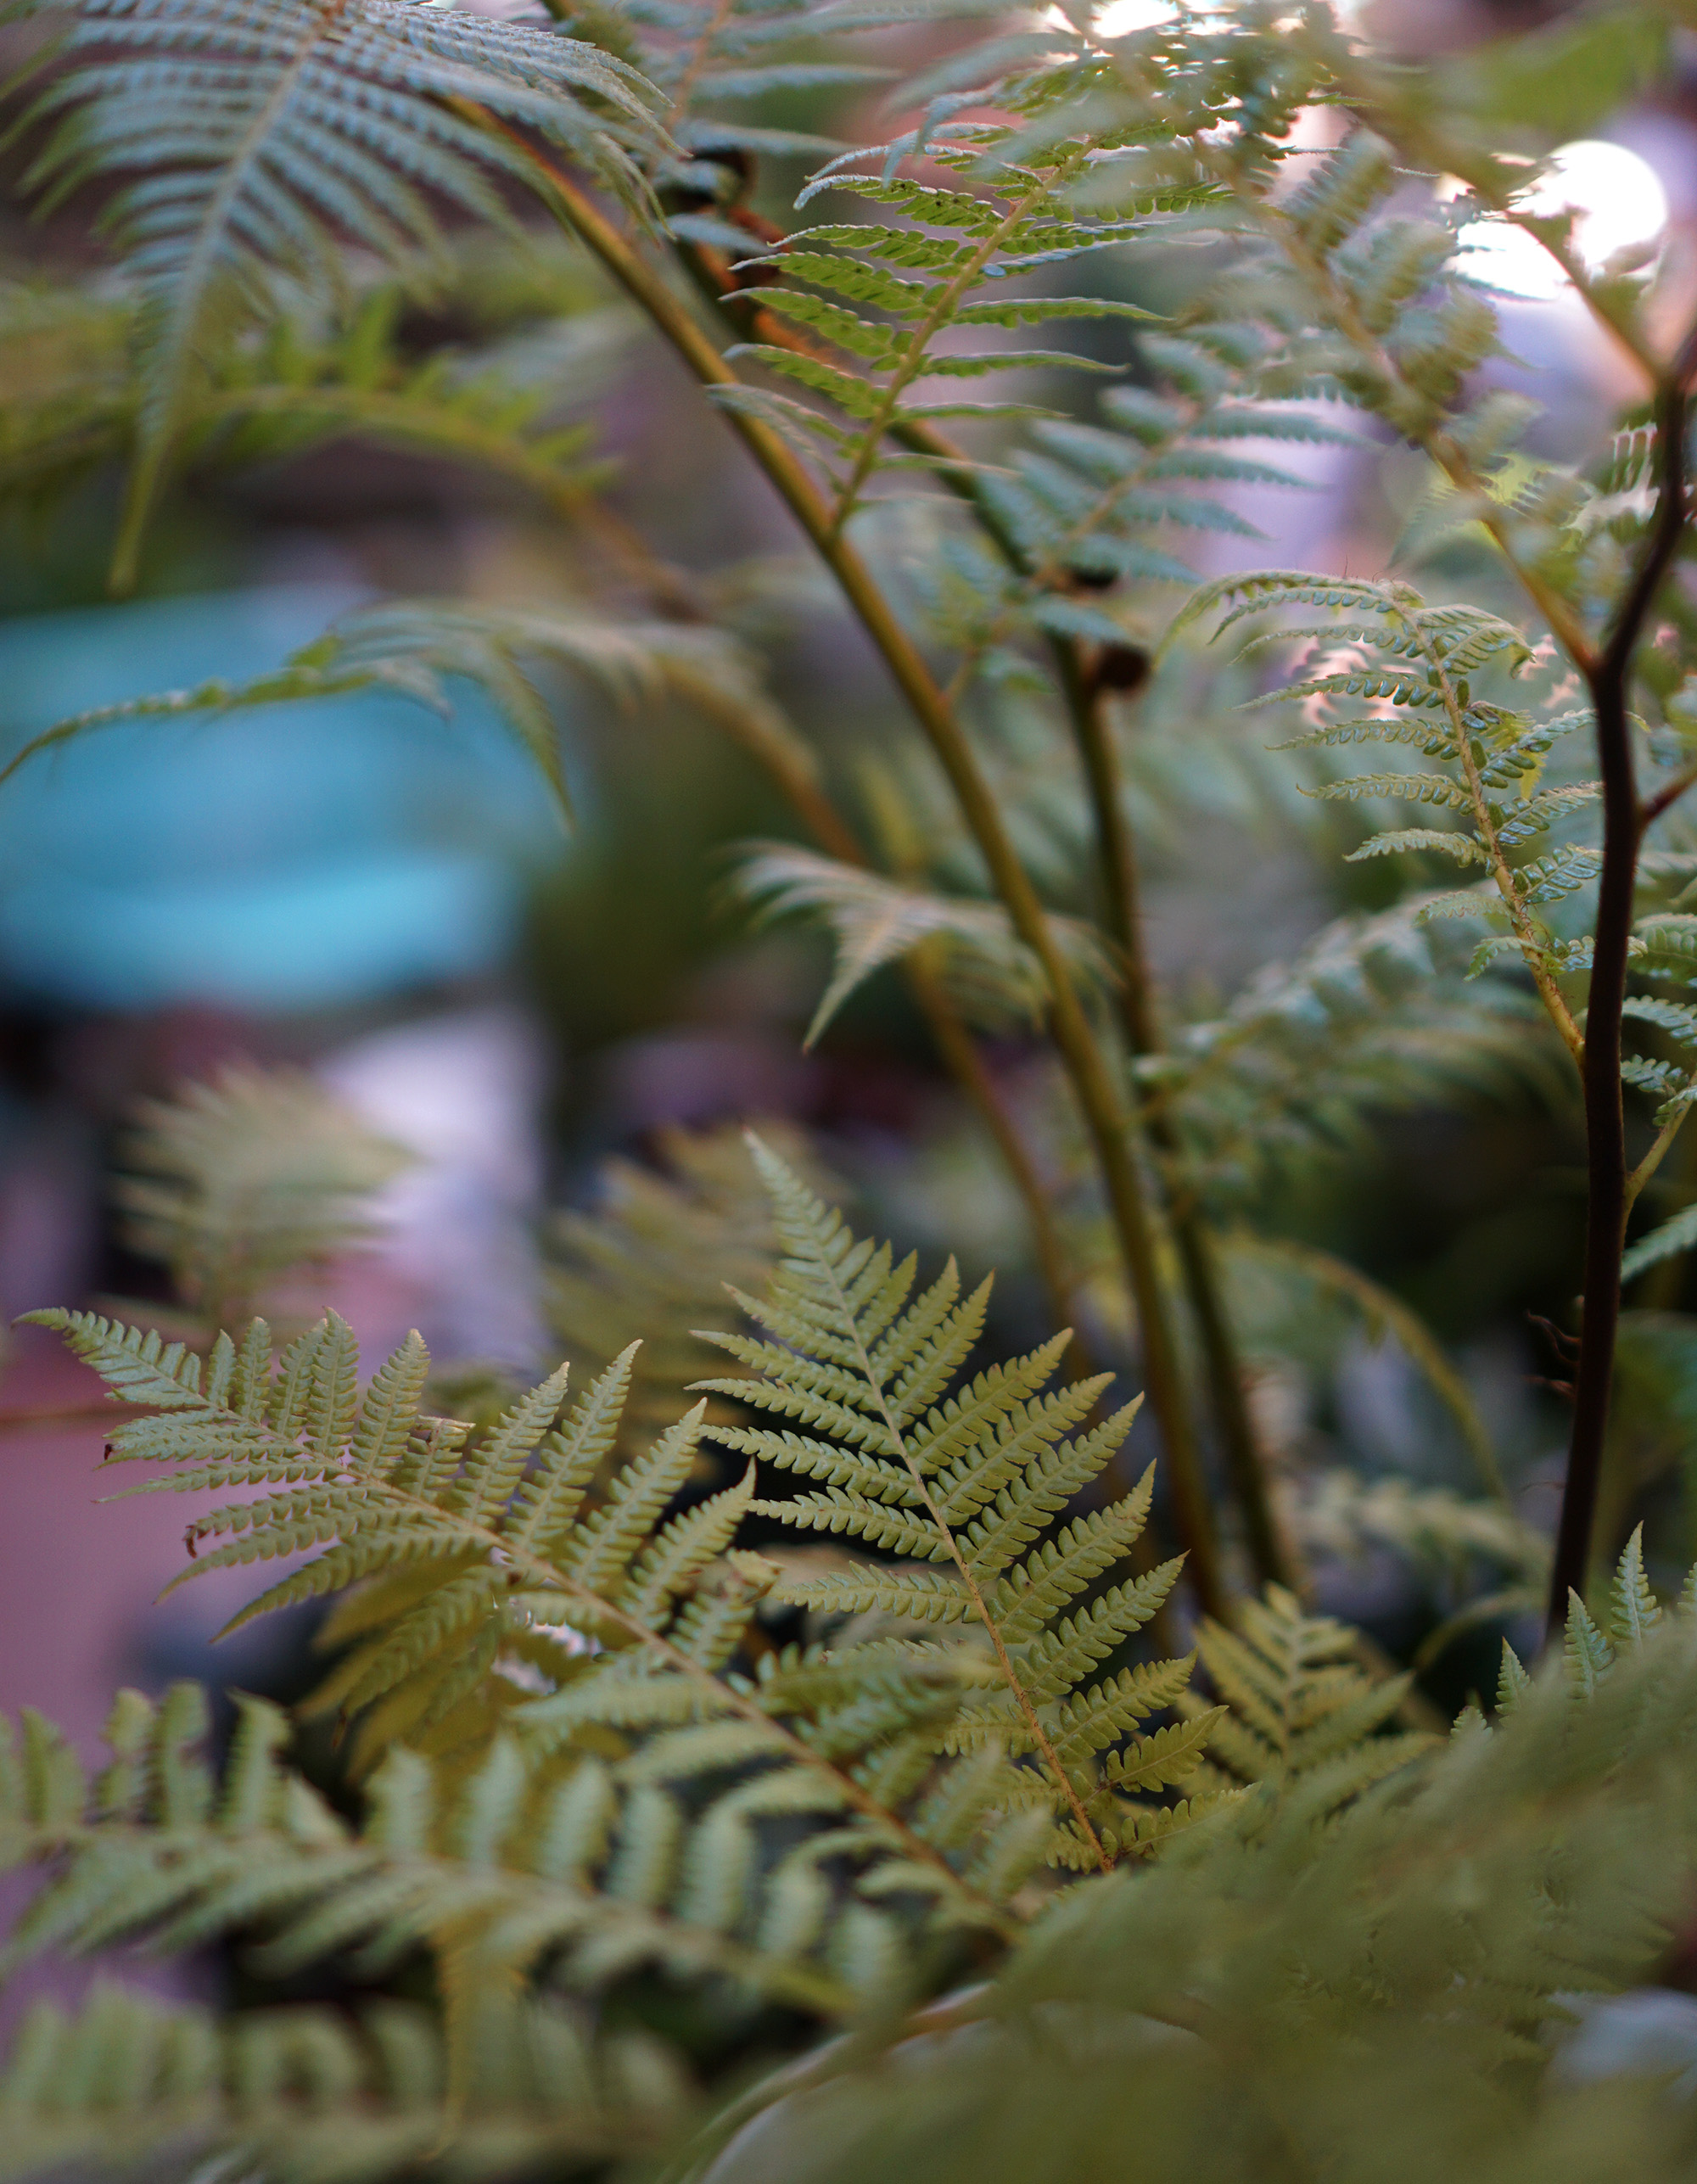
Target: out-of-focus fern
x=128, y=2083
x=418, y=649
x=1373, y=1013
x=236, y=1183
x=989, y=973
x=1383, y=1992
x=1304, y=1717
x=290, y=130
x=654, y=1251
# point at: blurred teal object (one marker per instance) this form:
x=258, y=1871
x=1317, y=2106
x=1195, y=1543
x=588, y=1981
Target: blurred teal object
x=292, y=857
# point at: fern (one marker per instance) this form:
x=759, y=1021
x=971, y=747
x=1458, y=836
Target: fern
x=1382, y=1991
x=964, y=1481
x=418, y=649
x=1373, y=1012
x=239, y=1182
x=127, y=2082
x=938, y=270
x=529, y=1610
x=1304, y=1717
x=650, y=1258
x=488, y=1873
x=991, y=975
x=288, y=129
x=1591, y=1652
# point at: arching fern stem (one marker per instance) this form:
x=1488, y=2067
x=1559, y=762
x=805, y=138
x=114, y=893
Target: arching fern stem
x=798, y=781
x=1105, y=1113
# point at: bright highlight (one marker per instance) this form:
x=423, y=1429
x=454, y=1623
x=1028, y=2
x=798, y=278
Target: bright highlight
x=1618, y=200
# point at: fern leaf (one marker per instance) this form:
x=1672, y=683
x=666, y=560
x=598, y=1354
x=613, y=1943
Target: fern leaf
x=248, y=102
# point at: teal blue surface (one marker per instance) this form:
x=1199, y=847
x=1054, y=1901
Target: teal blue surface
x=291, y=857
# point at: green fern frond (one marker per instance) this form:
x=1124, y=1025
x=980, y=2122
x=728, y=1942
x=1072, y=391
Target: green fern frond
x=993, y=977
x=1375, y=1011
x=127, y=2082
x=247, y=142
x=417, y=649
x=869, y=1372
x=650, y=1259
x=1304, y=1718
x=238, y=1182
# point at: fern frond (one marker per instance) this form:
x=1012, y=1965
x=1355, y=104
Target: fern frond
x=993, y=977
x=237, y=1182
x=857, y=1357
x=128, y=2081
x=1304, y=1718
x=247, y=142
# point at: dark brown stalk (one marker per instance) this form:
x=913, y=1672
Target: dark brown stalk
x=1608, y=673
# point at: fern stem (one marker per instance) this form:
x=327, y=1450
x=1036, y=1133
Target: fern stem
x=1607, y=1198
x=1118, y=856
x=1040, y=1737
x=790, y=767
x=1104, y=1112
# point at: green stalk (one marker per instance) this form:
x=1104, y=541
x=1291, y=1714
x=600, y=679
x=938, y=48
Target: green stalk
x=1106, y=1117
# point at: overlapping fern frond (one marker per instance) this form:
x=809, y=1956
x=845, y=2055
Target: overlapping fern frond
x=252, y=142
x=1385, y=1992
x=650, y=1259
x=1304, y=1717
x=238, y=1182
x=550, y=1631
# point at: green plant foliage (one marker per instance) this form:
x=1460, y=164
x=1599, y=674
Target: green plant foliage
x=971, y=1475
x=650, y=1261
x=1365, y=1998
x=1304, y=1716
x=992, y=976
x=295, y=126
x=237, y=1183
x=544, y=1657
x=598, y=1753
x=419, y=648
x=129, y=2084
